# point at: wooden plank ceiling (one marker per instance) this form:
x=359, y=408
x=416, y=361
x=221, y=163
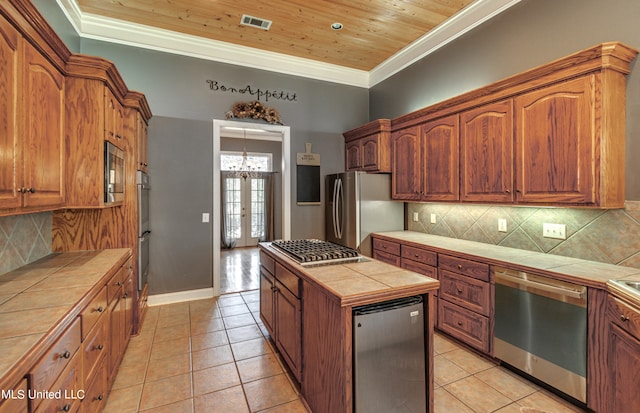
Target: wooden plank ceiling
x=373, y=30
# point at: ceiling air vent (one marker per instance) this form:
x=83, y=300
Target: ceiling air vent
x=255, y=22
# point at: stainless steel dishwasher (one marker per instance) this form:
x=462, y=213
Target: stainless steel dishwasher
x=541, y=329
x=389, y=367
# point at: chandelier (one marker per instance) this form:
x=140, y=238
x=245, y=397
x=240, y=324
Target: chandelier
x=246, y=169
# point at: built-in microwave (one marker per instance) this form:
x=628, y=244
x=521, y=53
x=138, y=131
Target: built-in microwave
x=113, y=173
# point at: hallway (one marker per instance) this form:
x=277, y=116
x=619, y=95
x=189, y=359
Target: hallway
x=239, y=269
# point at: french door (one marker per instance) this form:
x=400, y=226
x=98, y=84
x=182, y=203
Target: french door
x=246, y=209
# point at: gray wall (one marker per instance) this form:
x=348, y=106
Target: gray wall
x=181, y=146
x=529, y=34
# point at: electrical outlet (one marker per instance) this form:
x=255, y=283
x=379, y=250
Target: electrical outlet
x=415, y=217
x=502, y=225
x=205, y=217
x=433, y=218
x=557, y=231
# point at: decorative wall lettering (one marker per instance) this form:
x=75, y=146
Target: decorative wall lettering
x=258, y=93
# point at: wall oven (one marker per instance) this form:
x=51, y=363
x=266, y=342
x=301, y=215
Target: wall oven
x=144, y=230
x=113, y=173
x=541, y=329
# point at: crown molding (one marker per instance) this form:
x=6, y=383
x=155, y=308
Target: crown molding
x=91, y=26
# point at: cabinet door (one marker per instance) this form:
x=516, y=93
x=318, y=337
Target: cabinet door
x=624, y=368
x=267, y=307
x=43, y=131
x=371, y=153
x=354, y=156
x=405, y=168
x=10, y=156
x=486, y=148
x=289, y=328
x=116, y=319
x=556, y=143
x=439, y=155
x=114, y=118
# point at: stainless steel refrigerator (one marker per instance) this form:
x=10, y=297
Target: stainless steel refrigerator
x=358, y=204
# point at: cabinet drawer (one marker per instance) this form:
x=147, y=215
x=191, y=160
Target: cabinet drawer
x=69, y=386
x=465, y=325
x=386, y=257
x=624, y=315
x=92, y=312
x=288, y=279
x=419, y=267
x=96, y=391
x=95, y=348
x=267, y=262
x=45, y=373
x=17, y=402
x=420, y=255
x=386, y=246
x=466, y=267
x=116, y=282
x=468, y=292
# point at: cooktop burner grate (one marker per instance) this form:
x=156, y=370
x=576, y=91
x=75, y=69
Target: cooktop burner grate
x=313, y=251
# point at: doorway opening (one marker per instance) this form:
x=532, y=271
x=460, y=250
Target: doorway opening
x=234, y=261
x=246, y=202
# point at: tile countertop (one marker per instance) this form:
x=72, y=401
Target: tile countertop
x=588, y=273
x=359, y=283
x=35, y=298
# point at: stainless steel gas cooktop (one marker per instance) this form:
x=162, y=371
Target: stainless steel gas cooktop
x=312, y=252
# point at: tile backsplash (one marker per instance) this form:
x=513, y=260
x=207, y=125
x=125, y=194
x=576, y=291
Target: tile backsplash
x=610, y=236
x=24, y=239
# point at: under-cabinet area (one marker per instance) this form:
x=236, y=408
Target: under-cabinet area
x=309, y=314
x=65, y=322
x=555, y=320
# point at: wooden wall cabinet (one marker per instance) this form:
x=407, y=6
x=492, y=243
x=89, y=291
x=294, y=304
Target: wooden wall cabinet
x=557, y=157
x=486, y=153
x=32, y=133
x=425, y=161
x=367, y=147
x=553, y=135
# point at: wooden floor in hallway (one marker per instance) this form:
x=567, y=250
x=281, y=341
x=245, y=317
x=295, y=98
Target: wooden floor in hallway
x=239, y=269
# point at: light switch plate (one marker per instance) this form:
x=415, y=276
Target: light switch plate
x=557, y=231
x=415, y=217
x=205, y=217
x=433, y=218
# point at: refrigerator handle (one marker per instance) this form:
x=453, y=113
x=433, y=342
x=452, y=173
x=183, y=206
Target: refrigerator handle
x=337, y=199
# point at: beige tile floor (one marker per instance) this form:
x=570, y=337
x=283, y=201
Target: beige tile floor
x=214, y=355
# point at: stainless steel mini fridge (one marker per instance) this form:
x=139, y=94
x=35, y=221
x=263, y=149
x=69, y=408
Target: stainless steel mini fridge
x=389, y=366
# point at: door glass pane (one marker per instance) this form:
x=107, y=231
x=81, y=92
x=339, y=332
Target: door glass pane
x=234, y=208
x=257, y=208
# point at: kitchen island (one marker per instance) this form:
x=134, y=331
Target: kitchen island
x=308, y=313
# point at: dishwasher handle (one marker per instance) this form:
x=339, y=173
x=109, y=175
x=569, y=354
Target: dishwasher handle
x=553, y=287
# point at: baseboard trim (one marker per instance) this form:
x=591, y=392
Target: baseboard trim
x=179, y=296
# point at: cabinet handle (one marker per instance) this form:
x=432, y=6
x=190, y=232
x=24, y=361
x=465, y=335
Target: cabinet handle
x=30, y=190
x=20, y=190
x=459, y=266
x=66, y=408
x=416, y=255
x=99, y=398
x=66, y=354
x=125, y=295
x=460, y=323
x=507, y=191
x=99, y=347
x=99, y=309
x=624, y=318
x=118, y=283
x=459, y=290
